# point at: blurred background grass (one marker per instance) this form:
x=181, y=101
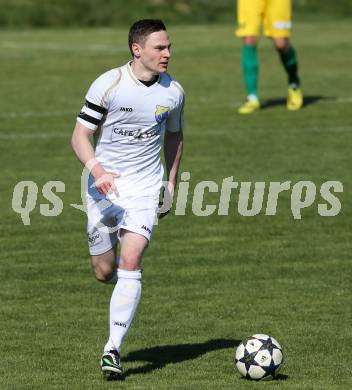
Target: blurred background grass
x=90, y=13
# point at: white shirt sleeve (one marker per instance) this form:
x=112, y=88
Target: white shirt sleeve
x=97, y=101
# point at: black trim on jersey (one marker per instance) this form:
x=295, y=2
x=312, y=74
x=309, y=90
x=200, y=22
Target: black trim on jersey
x=150, y=82
x=95, y=107
x=89, y=118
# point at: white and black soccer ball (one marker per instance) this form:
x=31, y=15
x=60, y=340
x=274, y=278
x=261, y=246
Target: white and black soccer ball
x=259, y=357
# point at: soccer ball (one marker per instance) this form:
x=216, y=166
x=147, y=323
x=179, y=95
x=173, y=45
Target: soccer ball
x=259, y=357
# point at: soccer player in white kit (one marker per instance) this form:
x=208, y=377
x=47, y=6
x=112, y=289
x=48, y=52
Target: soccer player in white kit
x=134, y=107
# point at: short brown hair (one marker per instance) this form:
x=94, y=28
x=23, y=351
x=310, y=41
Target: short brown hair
x=142, y=28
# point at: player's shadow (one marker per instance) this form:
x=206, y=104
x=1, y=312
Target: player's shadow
x=159, y=357
x=308, y=100
x=281, y=377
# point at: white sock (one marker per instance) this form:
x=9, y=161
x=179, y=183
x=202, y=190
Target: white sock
x=113, y=279
x=123, y=306
x=253, y=98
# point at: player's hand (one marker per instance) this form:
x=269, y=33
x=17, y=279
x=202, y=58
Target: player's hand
x=105, y=182
x=166, y=200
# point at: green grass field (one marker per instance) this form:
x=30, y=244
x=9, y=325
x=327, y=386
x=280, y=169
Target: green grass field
x=208, y=282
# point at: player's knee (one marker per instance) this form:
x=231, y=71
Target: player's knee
x=281, y=44
x=103, y=276
x=250, y=40
x=103, y=272
x=104, y=266
x=130, y=262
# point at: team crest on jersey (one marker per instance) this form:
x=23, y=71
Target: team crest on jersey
x=161, y=113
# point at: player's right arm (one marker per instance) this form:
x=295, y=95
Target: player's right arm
x=82, y=146
x=88, y=120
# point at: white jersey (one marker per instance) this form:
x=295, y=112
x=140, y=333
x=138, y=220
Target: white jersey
x=132, y=118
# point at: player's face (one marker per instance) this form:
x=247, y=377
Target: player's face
x=155, y=52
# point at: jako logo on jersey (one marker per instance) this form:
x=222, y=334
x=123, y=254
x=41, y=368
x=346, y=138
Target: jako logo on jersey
x=161, y=113
x=127, y=109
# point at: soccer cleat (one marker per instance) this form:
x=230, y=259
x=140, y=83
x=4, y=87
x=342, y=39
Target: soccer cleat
x=250, y=106
x=111, y=365
x=294, y=99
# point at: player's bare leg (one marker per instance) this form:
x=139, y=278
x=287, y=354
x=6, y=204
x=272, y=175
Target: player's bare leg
x=133, y=246
x=289, y=61
x=105, y=266
x=124, y=299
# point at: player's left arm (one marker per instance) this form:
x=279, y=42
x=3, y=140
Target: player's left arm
x=173, y=139
x=173, y=147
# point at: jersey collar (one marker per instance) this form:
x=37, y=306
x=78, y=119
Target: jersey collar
x=134, y=78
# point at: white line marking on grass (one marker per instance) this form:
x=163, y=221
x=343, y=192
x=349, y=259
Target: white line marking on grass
x=196, y=105
x=327, y=129
x=340, y=100
x=201, y=102
x=322, y=100
x=10, y=135
x=27, y=114
x=61, y=47
x=37, y=136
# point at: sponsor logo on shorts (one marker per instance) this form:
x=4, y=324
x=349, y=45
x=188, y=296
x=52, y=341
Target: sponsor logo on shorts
x=282, y=25
x=94, y=238
x=126, y=109
x=147, y=229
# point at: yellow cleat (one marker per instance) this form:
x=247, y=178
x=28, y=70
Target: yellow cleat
x=249, y=107
x=294, y=99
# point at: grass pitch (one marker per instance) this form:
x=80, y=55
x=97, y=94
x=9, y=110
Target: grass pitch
x=208, y=281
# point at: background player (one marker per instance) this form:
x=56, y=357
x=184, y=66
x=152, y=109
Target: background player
x=133, y=105
x=275, y=16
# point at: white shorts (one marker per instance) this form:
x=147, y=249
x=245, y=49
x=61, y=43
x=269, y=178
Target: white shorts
x=106, y=217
